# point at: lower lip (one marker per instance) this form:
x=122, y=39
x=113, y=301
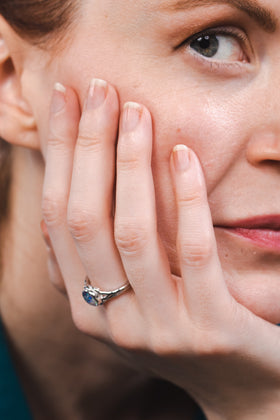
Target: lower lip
x=264, y=238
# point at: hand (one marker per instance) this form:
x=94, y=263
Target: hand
x=100, y=212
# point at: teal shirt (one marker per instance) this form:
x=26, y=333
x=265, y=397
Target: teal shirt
x=13, y=404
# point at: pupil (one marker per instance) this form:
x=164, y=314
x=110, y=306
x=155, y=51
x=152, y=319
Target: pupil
x=207, y=45
x=204, y=42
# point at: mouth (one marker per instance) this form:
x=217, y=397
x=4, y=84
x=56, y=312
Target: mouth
x=262, y=231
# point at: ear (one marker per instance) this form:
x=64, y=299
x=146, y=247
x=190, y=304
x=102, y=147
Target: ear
x=17, y=123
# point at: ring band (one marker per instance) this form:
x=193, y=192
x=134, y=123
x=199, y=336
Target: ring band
x=96, y=297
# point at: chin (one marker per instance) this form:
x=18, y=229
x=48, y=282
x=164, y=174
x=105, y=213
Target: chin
x=252, y=275
x=252, y=278
x=258, y=292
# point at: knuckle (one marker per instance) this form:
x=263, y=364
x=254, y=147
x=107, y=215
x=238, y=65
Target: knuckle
x=196, y=255
x=130, y=155
x=57, y=140
x=89, y=141
x=128, y=163
x=164, y=344
x=122, y=340
x=212, y=344
x=81, y=322
x=124, y=333
x=82, y=224
x=126, y=339
x=53, y=208
x=131, y=238
x=85, y=325
x=192, y=200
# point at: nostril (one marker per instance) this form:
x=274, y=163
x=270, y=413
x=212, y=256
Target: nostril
x=264, y=147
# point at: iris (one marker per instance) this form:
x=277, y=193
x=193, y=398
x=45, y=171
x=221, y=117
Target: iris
x=206, y=45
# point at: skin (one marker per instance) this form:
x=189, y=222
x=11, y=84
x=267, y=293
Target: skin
x=228, y=116
x=223, y=108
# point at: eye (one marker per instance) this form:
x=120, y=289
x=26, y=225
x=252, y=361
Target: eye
x=219, y=47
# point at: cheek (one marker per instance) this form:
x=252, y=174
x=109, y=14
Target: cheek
x=43, y=126
x=211, y=129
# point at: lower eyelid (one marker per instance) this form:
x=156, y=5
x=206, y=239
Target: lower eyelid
x=226, y=68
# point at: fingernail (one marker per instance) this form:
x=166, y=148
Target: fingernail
x=45, y=233
x=132, y=113
x=97, y=93
x=58, y=98
x=181, y=157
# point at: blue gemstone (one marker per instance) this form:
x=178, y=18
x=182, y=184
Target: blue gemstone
x=90, y=299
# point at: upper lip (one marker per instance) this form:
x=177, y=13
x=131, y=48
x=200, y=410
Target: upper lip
x=258, y=222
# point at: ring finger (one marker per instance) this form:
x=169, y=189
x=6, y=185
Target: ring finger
x=136, y=233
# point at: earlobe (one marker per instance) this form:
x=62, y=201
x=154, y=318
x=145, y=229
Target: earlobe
x=17, y=122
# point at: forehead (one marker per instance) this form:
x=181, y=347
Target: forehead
x=148, y=6
x=131, y=13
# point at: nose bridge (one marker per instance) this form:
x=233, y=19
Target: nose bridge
x=264, y=140
x=269, y=95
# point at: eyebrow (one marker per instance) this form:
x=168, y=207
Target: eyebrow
x=264, y=17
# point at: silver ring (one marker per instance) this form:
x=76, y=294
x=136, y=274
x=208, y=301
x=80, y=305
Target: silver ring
x=96, y=297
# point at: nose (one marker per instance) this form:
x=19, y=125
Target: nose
x=264, y=146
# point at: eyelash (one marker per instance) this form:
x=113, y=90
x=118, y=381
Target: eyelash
x=239, y=35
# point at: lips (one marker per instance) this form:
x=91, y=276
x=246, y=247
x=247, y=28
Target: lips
x=260, y=222
x=263, y=231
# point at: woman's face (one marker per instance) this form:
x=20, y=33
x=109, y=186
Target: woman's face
x=208, y=70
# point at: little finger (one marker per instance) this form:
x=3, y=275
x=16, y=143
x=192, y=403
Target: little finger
x=203, y=281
